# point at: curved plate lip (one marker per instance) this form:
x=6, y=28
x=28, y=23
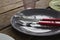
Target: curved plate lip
x=6, y=37
x=52, y=3
x=46, y=34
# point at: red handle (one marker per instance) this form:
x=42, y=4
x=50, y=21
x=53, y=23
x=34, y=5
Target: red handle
x=49, y=23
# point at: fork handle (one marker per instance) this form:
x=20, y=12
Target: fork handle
x=49, y=23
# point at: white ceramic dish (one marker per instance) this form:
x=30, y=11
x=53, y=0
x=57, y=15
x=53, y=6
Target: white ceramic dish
x=5, y=37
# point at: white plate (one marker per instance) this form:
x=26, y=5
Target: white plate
x=5, y=37
x=55, y=5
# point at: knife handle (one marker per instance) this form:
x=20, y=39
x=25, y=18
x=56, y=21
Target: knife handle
x=49, y=23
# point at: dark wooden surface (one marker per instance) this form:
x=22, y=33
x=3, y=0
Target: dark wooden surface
x=8, y=8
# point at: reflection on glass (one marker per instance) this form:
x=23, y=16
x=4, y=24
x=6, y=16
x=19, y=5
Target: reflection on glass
x=29, y=4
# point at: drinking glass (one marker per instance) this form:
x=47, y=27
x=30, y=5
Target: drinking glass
x=29, y=4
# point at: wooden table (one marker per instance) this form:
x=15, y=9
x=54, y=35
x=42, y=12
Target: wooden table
x=8, y=8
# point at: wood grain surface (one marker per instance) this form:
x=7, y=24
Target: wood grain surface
x=10, y=7
x=5, y=18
